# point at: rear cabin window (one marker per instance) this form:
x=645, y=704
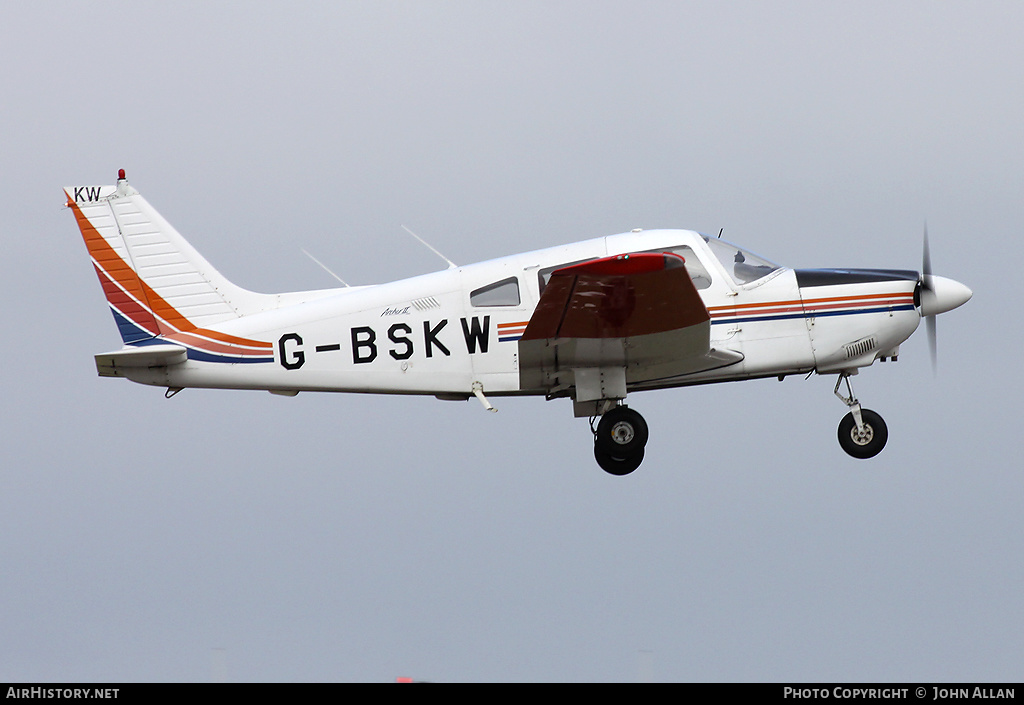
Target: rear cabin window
x=503, y=293
x=544, y=275
x=699, y=275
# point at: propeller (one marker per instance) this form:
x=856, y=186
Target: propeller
x=928, y=287
x=937, y=295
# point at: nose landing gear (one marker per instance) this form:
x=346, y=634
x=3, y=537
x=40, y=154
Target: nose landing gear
x=619, y=440
x=621, y=434
x=862, y=433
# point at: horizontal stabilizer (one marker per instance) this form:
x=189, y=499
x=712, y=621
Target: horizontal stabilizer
x=109, y=364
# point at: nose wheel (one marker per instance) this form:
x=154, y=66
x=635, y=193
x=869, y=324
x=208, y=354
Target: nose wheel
x=865, y=441
x=619, y=440
x=862, y=433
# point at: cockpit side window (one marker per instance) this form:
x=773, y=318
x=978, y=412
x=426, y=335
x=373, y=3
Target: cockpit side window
x=501, y=293
x=745, y=267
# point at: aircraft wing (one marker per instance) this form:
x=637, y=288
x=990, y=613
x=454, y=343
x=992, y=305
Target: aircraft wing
x=616, y=321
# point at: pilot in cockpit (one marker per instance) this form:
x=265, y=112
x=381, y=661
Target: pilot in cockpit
x=744, y=272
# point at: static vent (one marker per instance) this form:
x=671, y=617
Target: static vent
x=424, y=304
x=860, y=347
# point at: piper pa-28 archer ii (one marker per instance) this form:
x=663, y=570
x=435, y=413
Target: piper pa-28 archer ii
x=592, y=321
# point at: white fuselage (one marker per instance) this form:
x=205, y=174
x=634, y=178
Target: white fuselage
x=441, y=333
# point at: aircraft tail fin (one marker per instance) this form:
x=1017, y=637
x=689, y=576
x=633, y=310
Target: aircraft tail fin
x=156, y=283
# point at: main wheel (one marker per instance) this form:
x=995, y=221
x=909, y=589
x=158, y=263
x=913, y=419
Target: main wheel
x=866, y=443
x=618, y=466
x=621, y=433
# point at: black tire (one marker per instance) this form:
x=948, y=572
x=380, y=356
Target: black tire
x=870, y=442
x=618, y=466
x=621, y=433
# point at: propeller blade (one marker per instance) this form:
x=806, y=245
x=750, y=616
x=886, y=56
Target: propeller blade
x=933, y=343
x=935, y=295
x=927, y=284
x=926, y=262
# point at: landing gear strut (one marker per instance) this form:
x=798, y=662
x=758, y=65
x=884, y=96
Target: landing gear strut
x=619, y=440
x=862, y=432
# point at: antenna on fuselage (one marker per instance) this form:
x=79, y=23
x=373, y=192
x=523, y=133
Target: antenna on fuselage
x=451, y=265
x=325, y=268
x=720, y=231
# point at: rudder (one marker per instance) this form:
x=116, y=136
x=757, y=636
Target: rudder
x=155, y=282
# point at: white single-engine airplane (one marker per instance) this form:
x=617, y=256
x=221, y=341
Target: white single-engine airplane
x=591, y=321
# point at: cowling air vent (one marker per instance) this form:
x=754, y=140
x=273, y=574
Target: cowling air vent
x=860, y=347
x=424, y=304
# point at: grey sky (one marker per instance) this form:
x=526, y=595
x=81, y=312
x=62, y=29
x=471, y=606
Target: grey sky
x=331, y=537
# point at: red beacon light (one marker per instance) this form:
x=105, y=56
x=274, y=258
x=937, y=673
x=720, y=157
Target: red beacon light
x=120, y=174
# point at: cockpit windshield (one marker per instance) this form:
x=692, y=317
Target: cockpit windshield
x=743, y=266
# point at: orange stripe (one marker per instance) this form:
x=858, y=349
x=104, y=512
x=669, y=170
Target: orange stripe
x=124, y=302
x=168, y=320
x=209, y=346
x=898, y=296
x=214, y=337
x=105, y=257
x=122, y=273
x=735, y=307
x=741, y=312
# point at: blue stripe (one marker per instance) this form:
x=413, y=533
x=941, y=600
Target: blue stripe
x=881, y=309
x=202, y=356
x=131, y=334
x=141, y=339
x=790, y=316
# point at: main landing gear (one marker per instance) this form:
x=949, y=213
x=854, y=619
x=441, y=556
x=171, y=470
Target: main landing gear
x=619, y=440
x=621, y=433
x=862, y=432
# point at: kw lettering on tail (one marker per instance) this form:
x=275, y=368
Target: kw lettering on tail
x=87, y=194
